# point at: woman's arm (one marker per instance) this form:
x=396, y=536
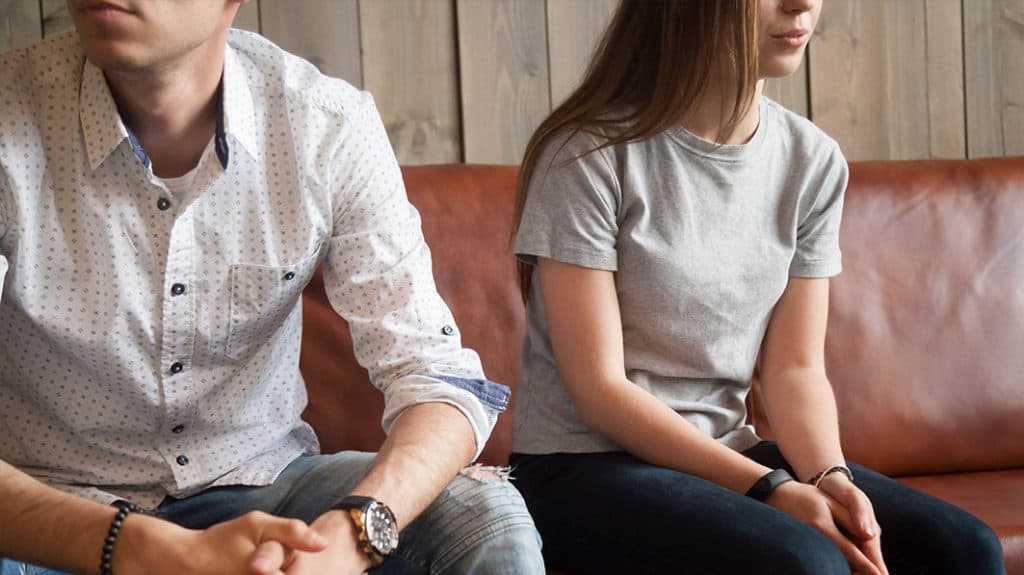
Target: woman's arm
x=801, y=407
x=798, y=398
x=582, y=312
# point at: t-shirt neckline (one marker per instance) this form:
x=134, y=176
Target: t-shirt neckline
x=729, y=152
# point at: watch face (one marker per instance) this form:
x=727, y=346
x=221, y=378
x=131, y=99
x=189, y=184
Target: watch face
x=381, y=530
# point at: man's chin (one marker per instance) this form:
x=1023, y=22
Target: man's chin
x=114, y=58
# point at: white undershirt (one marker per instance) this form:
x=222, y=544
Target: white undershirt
x=180, y=187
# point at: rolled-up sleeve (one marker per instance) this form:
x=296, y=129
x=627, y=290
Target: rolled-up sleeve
x=378, y=277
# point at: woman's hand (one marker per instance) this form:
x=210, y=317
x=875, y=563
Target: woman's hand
x=843, y=520
x=862, y=515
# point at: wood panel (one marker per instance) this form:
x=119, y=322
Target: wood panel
x=504, y=72
x=55, y=17
x=574, y=29
x=248, y=17
x=945, y=65
x=870, y=81
x=19, y=24
x=470, y=79
x=994, y=46
x=409, y=64
x=325, y=32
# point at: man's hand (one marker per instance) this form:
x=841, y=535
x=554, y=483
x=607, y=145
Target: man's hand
x=840, y=522
x=342, y=555
x=148, y=545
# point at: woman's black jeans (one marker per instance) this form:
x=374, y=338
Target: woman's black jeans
x=612, y=513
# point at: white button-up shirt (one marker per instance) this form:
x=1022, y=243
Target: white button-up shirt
x=149, y=345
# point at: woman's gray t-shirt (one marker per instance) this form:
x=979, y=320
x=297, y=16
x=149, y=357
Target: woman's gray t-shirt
x=702, y=240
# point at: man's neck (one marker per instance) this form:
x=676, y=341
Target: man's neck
x=172, y=108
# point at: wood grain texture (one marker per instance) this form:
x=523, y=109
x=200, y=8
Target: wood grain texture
x=505, y=84
x=56, y=19
x=248, y=17
x=19, y=24
x=791, y=91
x=945, y=65
x=409, y=64
x=870, y=85
x=994, y=45
x=574, y=29
x=325, y=32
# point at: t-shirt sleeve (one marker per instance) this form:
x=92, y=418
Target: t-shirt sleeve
x=571, y=208
x=4, y=191
x=817, y=245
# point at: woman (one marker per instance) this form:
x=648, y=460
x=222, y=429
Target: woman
x=679, y=224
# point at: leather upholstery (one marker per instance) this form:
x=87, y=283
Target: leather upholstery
x=923, y=345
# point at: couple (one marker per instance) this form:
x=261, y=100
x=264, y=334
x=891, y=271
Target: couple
x=167, y=188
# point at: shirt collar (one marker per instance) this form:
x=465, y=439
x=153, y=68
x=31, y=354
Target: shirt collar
x=238, y=114
x=103, y=129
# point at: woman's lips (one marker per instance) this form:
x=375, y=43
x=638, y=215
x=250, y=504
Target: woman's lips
x=792, y=38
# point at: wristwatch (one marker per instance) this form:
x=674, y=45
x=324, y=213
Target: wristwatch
x=769, y=483
x=375, y=524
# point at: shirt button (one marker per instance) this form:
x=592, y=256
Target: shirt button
x=177, y=289
x=163, y=204
x=448, y=330
x=176, y=367
x=289, y=276
x=182, y=460
x=178, y=429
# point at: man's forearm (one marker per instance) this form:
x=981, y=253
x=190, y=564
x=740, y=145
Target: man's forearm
x=427, y=446
x=802, y=413
x=44, y=526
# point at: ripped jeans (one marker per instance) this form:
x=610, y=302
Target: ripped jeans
x=478, y=524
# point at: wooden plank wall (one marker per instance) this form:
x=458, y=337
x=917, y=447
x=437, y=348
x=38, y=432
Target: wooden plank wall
x=468, y=80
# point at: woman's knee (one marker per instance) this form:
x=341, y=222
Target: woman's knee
x=970, y=546
x=802, y=551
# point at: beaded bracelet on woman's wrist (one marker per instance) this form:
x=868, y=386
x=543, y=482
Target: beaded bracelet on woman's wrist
x=821, y=475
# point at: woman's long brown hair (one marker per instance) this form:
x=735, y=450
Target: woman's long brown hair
x=651, y=68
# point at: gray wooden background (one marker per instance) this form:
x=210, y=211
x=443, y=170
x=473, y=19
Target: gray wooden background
x=468, y=80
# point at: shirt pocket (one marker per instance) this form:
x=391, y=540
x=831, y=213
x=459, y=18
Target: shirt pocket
x=262, y=299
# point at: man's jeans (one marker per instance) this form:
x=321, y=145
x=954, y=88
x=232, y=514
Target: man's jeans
x=474, y=526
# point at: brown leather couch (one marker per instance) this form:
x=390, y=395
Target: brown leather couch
x=925, y=343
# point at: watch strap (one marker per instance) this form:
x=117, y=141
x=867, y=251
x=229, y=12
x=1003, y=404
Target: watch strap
x=355, y=502
x=765, y=486
x=358, y=506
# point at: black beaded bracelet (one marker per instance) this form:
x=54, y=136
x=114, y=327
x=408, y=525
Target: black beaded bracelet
x=123, y=509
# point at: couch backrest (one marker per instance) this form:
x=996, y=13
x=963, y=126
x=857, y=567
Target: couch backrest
x=925, y=333
x=925, y=344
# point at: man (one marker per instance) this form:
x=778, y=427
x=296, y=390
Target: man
x=167, y=188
